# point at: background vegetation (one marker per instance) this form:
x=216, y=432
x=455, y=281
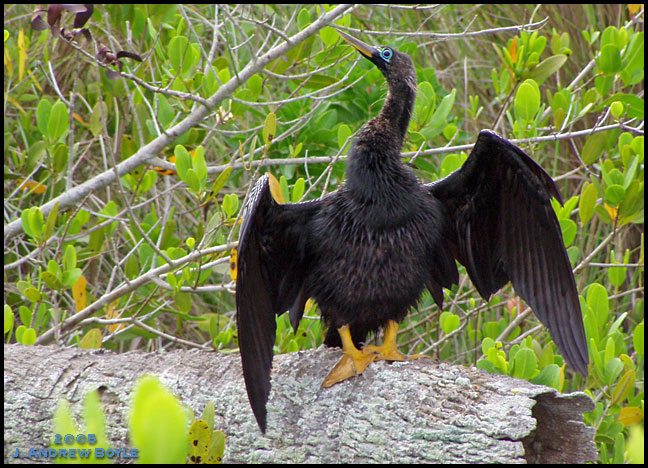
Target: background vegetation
x=108, y=243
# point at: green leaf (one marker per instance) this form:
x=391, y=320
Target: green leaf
x=69, y=277
x=51, y=221
x=547, y=67
x=166, y=113
x=199, y=165
x=449, y=322
x=631, y=172
x=35, y=153
x=603, y=214
x=183, y=162
x=25, y=222
x=8, y=319
x=216, y=448
x=617, y=275
x=623, y=387
x=593, y=148
x=157, y=423
x=37, y=223
x=177, y=50
x=527, y=102
x=283, y=184
x=525, y=364
x=613, y=35
x=439, y=119
x=60, y=156
x=616, y=109
x=344, y=132
x=99, y=110
x=425, y=103
x=28, y=337
x=25, y=314
x=549, y=376
x=42, y=116
x=230, y=204
x=587, y=202
x=298, y=190
x=569, y=230
x=58, y=121
x=303, y=19
x=182, y=301
x=255, y=84
x=208, y=414
x=191, y=179
x=597, y=299
x=638, y=338
x=328, y=36
x=270, y=128
x=614, y=194
x=610, y=59
x=220, y=182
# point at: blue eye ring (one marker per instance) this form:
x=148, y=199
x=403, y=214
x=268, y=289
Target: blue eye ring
x=386, y=54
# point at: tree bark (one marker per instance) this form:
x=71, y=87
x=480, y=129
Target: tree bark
x=418, y=411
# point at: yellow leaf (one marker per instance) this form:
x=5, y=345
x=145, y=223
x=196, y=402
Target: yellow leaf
x=172, y=160
x=91, y=340
x=112, y=313
x=630, y=415
x=13, y=101
x=36, y=187
x=633, y=8
x=8, y=61
x=22, y=55
x=79, y=119
x=79, y=293
x=513, y=50
x=270, y=128
x=275, y=189
x=233, y=264
x=199, y=439
x=611, y=211
x=623, y=388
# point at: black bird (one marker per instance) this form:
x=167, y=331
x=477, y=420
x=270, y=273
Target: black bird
x=366, y=251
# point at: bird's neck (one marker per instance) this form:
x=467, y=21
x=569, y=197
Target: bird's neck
x=376, y=148
x=376, y=175
x=397, y=110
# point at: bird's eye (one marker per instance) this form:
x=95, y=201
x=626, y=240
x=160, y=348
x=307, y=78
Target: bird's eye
x=386, y=54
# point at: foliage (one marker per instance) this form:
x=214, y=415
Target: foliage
x=90, y=442
x=158, y=430
x=100, y=256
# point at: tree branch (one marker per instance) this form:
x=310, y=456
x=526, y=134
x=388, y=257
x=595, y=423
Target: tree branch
x=411, y=412
x=148, y=151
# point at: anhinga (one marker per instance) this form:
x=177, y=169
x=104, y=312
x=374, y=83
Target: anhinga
x=366, y=251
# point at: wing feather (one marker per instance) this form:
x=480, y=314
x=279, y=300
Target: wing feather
x=506, y=230
x=272, y=268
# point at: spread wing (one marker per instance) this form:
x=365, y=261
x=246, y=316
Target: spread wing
x=504, y=228
x=272, y=267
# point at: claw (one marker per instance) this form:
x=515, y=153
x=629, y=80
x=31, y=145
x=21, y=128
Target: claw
x=355, y=361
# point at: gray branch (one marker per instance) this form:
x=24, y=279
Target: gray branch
x=150, y=150
x=418, y=411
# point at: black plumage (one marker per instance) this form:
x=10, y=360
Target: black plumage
x=366, y=251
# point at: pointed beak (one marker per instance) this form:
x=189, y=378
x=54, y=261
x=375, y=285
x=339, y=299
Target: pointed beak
x=363, y=48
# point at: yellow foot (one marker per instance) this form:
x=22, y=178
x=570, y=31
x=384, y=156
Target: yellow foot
x=354, y=362
x=411, y=357
x=385, y=353
x=388, y=350
x=348, y=367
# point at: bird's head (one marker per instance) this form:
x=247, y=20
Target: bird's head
x=396, y=66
